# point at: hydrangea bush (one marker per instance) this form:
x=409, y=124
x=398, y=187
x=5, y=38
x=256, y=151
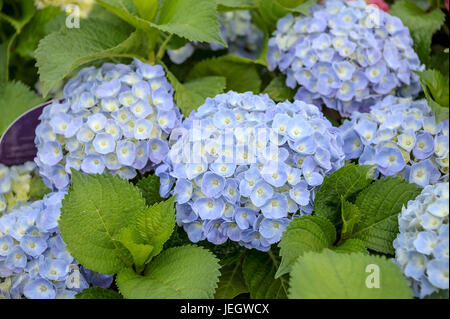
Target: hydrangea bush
x=34, y=262
x=115, y=119
x=401, y=137
x=345, y=55
x=15, y=184
x=421, y=248
x=243, y=166
x=242, y=36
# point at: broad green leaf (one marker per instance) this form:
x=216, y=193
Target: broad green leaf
x=350, y=217
x=259, y=273
x=93, y=213
x=98, y=293
x=186, y=272
x=231, y=283
x=329, y=275
x=139, y=252
x=440, y=61
x=380, y=204
x=147, y=8
x=350, y=246
x=306, y=233
x=228, y=5
x=61, y=53
x=15, y=99
x=436, y=89
x=37, y=188
x=241, y=74
x=190, y=99
x=422, y=24
x=346, y=182
x=194, y=20
x=271, y=11
x=44, y=22
x=441, y=294
x=300, y=6
x=149, y=186
x=190, y=95
x=155, y=224
x=436, y=86
x=278, y=91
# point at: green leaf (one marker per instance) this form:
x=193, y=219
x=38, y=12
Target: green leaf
x=232, y=282
x=329, y=275
x=350, y=217
x=241, y=74
x=194, y=20
x=190, y=95
x=4, y=61
x=351, y=246
x=186, y=272
x=93, y=213
x=436, y=89
x=44, y=22
x=139, y=252
x=345, y=182
x=15, y=99
x=98, y=293
x=306, y=233
x=61, y=53
x=149, y=186
x=37, y=188
x=422, y=25
x=278, y=91
x=155, y=224
x=380, y=204
x=228, y=5
x=147, y=8
x=259, y=273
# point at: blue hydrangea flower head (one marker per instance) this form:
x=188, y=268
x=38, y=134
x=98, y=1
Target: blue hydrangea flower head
x=243, y=166
x=244, y=39
x=401, y=137
x=346, y=55
x=421, y=248
x=108, y=122
x=34, y=261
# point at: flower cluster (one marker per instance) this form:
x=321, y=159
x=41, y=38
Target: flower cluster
x=401, y=137
x=115, y=119
x=242, y=36
x=346, y=55
x=34, y=261
x=421, y=248
x=15, y=184
x=243, y=166
x=71, y=6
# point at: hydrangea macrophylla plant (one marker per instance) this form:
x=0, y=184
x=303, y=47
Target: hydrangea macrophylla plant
x=34, y=262
x=421, y=248
x=242, y=36
x=401, y=137
x=346, y=55
x=114, y=119
x=15, y=184
x=243, y=166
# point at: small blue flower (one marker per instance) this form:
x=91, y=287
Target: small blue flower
x=104, y=143
x=390, y=160
x=93, y=164
x=39, y=289
x=209, y=208
x=272, y=229
x=276, y=207
x=212, y=184
x=245, y=217
x=126, y=152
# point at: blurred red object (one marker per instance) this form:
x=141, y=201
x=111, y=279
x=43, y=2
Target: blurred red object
x=381, y=4
x=446, y=5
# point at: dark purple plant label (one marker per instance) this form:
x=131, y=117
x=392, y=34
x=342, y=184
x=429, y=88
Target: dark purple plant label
x=17, y=143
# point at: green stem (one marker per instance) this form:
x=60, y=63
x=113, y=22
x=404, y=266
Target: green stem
x=162, y=48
